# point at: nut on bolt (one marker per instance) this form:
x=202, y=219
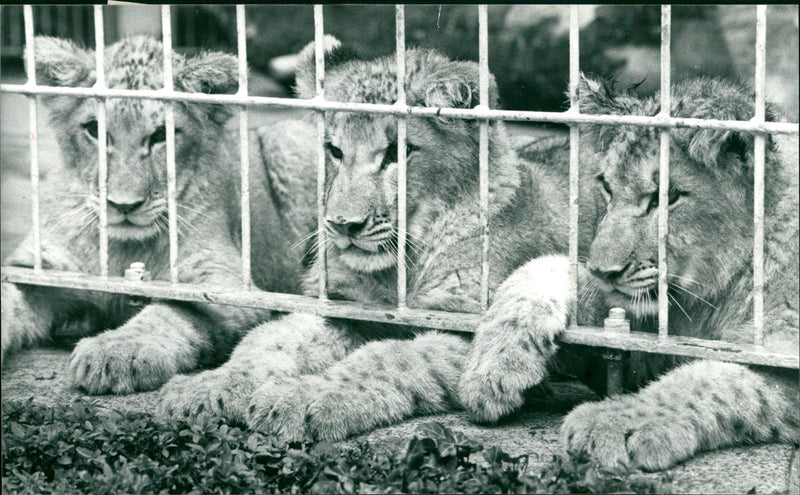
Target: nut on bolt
x=616, y=321
x=137, y=273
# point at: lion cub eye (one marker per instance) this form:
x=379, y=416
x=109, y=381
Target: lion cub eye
x=334, y=151
x=159, y=136
x=606, y=187
x=674, y=195
x=91, y=128
x=391, y=153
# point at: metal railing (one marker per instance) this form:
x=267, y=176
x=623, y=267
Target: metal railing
x=465, y=322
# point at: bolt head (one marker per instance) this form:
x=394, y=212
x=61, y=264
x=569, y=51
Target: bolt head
x=137, y=265
x=617, y=313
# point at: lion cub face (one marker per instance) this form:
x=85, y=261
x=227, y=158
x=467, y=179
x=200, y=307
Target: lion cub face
x=362, y=153
x=710, y=197
x=136, y=133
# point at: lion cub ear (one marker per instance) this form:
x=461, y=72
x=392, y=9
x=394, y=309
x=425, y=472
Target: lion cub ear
x=452, y=84
x=720, y=100
x=61, y=62
x=208, y=72
x=306, y=65
x=596, y=96
x=211, y=73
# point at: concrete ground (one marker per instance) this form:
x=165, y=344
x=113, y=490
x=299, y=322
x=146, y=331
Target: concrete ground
x=41, y=373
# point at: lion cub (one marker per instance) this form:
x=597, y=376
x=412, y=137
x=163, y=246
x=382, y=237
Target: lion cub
x=307, y=376
x=145, y=346
x=702, y=405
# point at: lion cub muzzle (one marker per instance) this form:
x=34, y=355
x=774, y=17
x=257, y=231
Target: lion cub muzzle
x=372, y=233
x=632, y=278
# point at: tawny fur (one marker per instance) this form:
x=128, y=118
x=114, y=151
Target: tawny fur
x=311, y=377
x=699, y=405
x=144, y=347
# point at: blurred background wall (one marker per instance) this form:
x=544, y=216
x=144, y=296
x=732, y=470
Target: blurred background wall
x=528, y=43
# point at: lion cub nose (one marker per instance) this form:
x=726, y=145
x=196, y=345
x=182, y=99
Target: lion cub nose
x=609, y=273
x=125, y=208
x=349, y=228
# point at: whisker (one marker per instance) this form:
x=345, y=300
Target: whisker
x=303, y=239
x=684, y=289
x=675, y=300
x=689, y=280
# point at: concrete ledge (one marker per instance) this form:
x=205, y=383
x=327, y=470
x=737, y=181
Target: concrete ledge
x=41, y=373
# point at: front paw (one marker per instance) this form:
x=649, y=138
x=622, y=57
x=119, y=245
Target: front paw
x=624, y=432
x=217, y=393
x=279, y=409
x=314, y=408
x=121, y=362
x=496, y=375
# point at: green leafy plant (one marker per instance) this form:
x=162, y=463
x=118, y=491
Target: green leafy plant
x=85, y=448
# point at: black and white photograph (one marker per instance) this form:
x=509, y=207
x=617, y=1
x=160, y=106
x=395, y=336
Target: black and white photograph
x=400, y=248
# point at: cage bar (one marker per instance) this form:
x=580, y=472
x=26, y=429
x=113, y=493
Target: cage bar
x=102, y=139
x=477, y=113
x=663, y=175
x=758, y=182
x=662, y=343
x=483, y=150
x=443, y=320
x=322, y=241
x=169, y=124
x=32, y=130
x=574, y=164
x=402, y=159
x=244, y=144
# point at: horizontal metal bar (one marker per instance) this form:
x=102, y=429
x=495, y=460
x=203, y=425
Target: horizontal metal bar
x=237, y=297
x=679, y=346
x=442, y=320
x=399, y=110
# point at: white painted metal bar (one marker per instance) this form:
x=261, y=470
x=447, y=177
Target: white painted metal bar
x=758, y=183
x=34, y=136
x=319, y=52
x=244, y=145
x=400, y=49
x=483, y=151
x=663, y=175
x=102, y=138
x=169, y=124
x=443, y=320
x=574, y=163
x=386, y=109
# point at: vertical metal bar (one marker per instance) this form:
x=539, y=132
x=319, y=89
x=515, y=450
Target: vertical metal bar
x=319, y=52
x=663, y=182
x=244, y=149
x=758, y=183
x=34, y=144
x=400, y=48
x=574, y=153
x=483, y=151
x=169, y=124
x=102, y=138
